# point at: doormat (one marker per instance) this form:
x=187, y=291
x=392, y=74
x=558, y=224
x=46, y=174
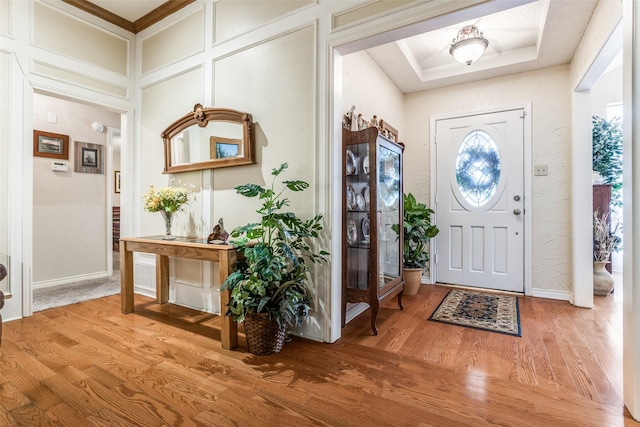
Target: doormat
x=489, y=312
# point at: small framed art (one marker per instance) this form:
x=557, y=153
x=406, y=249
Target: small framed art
x=47, y=144
x=116, y=181
x=88, y=158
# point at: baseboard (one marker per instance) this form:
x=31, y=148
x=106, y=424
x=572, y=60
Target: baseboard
x=426, y=280
x=355, y=310
x=552, y=294
x=71, y=279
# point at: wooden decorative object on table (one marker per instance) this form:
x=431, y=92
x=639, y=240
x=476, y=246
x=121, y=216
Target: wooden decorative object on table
x=388, y=131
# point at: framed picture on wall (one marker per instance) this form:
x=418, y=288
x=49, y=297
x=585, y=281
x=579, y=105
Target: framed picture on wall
x=88, y=158
x=47, y=144
x=116, y=182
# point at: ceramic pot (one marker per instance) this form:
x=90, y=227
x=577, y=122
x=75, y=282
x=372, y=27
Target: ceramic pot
x=412, y=278
x=602, y=281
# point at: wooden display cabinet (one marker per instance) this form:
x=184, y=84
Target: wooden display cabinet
x=372, y=196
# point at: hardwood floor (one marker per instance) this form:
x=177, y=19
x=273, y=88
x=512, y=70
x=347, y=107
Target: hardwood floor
x=89, y=365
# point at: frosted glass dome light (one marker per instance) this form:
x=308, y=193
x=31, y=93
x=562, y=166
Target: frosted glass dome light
x=469, y=45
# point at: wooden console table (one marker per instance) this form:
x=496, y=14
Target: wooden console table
x=182, y=247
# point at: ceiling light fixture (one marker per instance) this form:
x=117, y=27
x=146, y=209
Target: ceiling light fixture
x=469, y=45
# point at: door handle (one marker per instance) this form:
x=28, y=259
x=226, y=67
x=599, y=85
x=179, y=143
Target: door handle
x=517, y=211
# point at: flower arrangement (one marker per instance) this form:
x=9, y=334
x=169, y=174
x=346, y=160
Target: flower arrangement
x=605, y=239
x=168, y=199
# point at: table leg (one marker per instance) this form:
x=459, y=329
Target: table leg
x=162, y=279
x=229, y=333
x=126, y=279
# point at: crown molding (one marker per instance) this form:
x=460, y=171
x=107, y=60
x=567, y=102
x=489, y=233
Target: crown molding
x=138, y=25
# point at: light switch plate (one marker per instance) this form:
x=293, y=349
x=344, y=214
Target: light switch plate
x=540, y=170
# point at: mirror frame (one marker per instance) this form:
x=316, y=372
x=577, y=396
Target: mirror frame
x=201, y=117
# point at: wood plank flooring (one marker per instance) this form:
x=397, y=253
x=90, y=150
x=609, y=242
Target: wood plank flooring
x=89, y=365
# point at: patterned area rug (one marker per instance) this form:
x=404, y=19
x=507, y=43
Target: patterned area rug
x=491, y=312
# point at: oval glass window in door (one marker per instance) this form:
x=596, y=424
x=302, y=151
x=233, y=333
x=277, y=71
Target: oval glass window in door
x=478, y=168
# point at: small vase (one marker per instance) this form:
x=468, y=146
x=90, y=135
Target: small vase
x=602, y=281
x=168, y=216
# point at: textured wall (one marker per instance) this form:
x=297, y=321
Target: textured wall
x=548, y=92
x=367, y=87
x=606, y=16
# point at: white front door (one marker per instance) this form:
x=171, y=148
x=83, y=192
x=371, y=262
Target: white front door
x=480, y=201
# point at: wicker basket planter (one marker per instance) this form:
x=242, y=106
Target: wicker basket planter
x=264, y=336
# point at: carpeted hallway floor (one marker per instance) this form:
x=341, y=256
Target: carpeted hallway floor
x=71, y=293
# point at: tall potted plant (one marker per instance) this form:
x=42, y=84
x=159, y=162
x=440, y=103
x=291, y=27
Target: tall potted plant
x=418, y=230
x=607, y=154
x=271, y=288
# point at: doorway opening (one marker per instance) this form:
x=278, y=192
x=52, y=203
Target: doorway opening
x=607, y=157
x=73, y=200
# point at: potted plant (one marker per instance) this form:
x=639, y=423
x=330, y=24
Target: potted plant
x=270, y=289
x=418, y=230
x=607, y=144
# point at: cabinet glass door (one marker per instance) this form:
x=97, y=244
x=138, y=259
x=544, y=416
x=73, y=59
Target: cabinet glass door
x=358, y=224
x=389, y=202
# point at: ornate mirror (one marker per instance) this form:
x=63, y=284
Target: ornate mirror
x=208, y=138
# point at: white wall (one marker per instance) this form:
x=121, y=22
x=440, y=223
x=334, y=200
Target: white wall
x=548, y=92
x=367, y=87
x=69, y=208
x=607, y=90
x=281, y=100
x=605, y=18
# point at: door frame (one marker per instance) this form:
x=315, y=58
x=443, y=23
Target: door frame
x=112, y=133
x=527, y=164
x=27, y=188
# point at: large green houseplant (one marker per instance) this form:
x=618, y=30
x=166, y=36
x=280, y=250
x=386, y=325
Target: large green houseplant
x=271, y=287
x=418, y=230
x=607, y=154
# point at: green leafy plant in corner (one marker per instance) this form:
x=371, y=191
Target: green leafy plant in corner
x=274, y=275
x=607, y=154
x=418, y=230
